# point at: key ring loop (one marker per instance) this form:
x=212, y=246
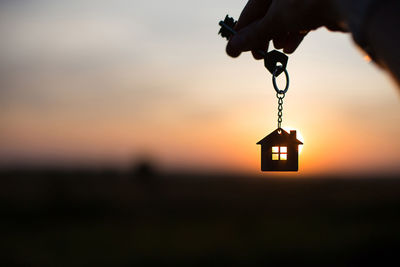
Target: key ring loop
x=279, y=91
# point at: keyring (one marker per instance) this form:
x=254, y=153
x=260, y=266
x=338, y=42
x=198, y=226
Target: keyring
x=279, y=91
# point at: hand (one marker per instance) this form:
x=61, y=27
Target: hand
x=286, y=22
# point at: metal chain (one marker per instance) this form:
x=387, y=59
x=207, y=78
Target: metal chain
x=280, y=94
x=280, y=108
x=271, y=60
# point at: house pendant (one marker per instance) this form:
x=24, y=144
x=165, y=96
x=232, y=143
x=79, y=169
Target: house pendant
x=280, y=151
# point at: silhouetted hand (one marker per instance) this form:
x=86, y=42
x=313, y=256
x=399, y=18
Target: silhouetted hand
x=286, y=22
x=373, y=24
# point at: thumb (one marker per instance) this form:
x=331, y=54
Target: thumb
x=249, y=38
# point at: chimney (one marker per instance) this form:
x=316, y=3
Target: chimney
x=293, y=134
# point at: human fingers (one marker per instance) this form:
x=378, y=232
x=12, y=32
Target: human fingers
x=293, y=40
x=280, y=41
x=254, y=10
x=245, y=40
x=283, y=23
x=289, y=42
x=251, y=37
x=256, y=53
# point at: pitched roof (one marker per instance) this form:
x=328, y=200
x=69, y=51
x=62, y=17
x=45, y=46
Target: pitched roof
x=282, y=137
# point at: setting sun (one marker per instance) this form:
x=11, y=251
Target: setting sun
x=84, y=86
x=299, y=136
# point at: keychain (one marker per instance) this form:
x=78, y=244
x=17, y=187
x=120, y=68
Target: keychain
x=279, y=149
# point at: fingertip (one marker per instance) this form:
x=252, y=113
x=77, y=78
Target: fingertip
x=291, y=47
x=233, y=47
x=231, y=51
x=293, y=42
x=279, y=43
x=289, y=50
x=256, y=55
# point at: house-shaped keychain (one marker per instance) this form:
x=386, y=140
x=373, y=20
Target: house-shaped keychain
x=280, y=151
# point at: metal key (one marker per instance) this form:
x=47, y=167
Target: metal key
x=271, y=59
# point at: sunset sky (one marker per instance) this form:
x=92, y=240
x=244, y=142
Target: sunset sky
x=107, y=82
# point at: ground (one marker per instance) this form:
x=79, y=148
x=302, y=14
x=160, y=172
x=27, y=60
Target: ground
x=107, y=218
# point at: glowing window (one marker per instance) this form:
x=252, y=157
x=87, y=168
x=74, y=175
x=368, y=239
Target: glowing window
x=279, y=153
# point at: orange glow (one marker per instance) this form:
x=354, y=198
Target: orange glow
x=299, y=136
x=105, y=96
x=367, y=58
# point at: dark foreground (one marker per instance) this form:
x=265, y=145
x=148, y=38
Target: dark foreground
x=105, y=218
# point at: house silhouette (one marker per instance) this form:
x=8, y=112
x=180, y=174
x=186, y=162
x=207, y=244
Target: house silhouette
x=280, y=151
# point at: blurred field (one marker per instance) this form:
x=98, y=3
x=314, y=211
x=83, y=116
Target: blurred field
x=89, y=218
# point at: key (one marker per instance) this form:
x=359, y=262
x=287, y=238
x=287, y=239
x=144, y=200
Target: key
x=271, y=59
